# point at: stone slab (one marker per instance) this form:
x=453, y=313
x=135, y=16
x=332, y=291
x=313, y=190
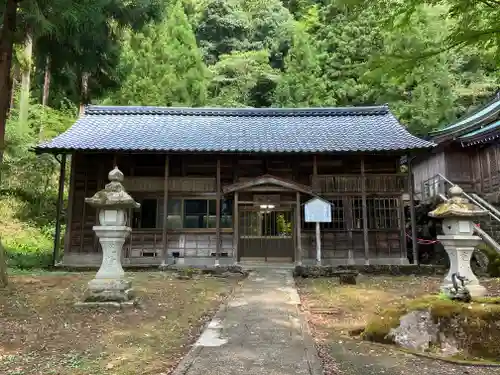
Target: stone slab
x=108, y=304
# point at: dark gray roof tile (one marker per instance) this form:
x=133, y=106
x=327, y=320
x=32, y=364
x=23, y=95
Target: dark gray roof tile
x=242, y=130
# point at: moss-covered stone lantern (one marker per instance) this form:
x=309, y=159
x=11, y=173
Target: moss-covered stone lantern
x=112, y=203
x=459, y=241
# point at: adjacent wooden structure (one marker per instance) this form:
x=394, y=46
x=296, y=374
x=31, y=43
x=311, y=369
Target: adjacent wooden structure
x=467, y=154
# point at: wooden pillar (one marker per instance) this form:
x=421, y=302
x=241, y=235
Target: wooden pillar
x=60, y=196
x=164, y=234
x=402, y=224
x=315, y=166
x=69, y=211
x=413, y=218
x=217, y=217
x=365, y=212
x=236, y=227
x=298, y=250
x=318, y=244
x=349, y=220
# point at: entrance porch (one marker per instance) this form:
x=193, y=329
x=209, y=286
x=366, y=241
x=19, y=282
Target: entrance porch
x=268, y=213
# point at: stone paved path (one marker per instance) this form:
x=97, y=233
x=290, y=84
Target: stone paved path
x=261, y=332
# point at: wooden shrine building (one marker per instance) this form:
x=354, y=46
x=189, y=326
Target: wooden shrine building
x=230, y=183
x=467, y=153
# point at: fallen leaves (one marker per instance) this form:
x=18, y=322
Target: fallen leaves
x=43, y=333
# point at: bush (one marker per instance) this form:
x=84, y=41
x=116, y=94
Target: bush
x=28, y=253
x=493, y=260
x=27, y=244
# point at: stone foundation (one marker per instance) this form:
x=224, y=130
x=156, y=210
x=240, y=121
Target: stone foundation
x=390, y=270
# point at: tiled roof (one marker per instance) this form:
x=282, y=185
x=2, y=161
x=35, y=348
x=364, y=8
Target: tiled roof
x=235, y=130
x=484, y=134
x=471, y=121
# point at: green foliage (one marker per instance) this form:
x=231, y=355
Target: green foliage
x=284, y=226
x=493, y=260
x=223, y=28
x=163, y=65
x=27, y=240
x=469, y=22
x=243, y=79
x=241, y=53
x=28, y=189
x=301, y=84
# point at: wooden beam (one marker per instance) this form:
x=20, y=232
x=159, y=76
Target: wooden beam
x=164, y=239
x=60, y=196
x=365, y=211
x=298, y=250
x=217, y=217
x=236, y=224
x=268, y=180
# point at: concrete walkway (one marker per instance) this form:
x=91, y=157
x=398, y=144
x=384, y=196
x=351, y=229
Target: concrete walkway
x=259, y=332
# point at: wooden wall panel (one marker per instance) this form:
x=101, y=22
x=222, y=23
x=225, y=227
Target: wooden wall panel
x=427, y=169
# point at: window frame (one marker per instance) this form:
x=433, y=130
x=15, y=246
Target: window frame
x=182, y=214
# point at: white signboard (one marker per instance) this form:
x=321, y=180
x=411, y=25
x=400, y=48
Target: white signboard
x=318, y=211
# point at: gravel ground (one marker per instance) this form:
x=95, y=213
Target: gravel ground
x=352, y=357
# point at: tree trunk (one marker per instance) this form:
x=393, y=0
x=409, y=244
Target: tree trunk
x=6, y=49
x=24, y=97
x=84, y=94
x=14, y=85
x=46, y=82
x=45, y=94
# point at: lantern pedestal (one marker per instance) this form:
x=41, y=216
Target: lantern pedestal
x=109, y=283
x=459, y=249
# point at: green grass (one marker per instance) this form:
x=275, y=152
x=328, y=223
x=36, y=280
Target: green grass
x=27, y=245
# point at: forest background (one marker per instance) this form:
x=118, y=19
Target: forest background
x=430, y=61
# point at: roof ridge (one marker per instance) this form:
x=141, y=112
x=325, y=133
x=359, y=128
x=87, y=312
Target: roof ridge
x=467, y=120
x=237, y=112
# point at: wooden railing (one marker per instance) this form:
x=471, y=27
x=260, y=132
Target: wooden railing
x=375, y=183
x=144, y=243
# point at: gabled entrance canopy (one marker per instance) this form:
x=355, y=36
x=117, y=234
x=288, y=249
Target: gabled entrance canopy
x=268, y=179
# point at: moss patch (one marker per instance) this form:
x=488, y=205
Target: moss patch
x=475, y=325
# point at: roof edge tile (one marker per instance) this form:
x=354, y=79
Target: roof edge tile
x=237, y=112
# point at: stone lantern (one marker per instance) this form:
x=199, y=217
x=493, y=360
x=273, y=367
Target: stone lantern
x=459, y=240
x=112, y=203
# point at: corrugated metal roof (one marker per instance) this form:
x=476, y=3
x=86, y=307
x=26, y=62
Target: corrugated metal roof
x=235, y=130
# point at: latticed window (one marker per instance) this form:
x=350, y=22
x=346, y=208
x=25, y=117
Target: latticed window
x=382, y=213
